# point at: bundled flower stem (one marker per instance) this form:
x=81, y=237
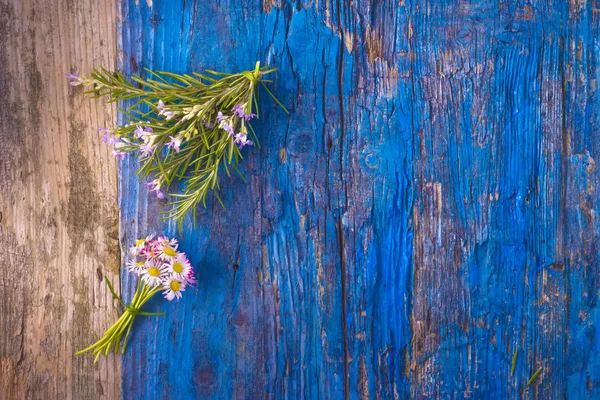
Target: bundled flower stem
x=160, y=268
x=114, y=334
x=182, y=127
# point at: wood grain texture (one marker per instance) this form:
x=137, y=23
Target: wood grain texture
x=58, y=213
x=427, y=208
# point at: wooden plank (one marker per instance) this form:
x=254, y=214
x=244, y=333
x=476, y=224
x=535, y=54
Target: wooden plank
x=304, y=278
x=58, y=213
x=507, y=110
x=427, y=209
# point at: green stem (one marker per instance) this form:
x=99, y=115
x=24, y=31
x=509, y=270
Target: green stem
x=114, y=334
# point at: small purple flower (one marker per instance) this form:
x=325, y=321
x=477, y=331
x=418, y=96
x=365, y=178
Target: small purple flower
x=207, y=125
x=160, y=107
x=146, y=150
x=242, y=140
x=105, y=134
x=119, y=154
x=112, y=140
x=154, y=186
x=241, y=113
x=148, y=130
x=76, y=80
x=139, y=132
x=174, y=144
x=228, y=128
x=238, y=110
x=163, y=111
x=219, y=117
x=108, y=137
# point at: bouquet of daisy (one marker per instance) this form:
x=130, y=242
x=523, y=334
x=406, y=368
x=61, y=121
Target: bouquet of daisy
x=160, y=268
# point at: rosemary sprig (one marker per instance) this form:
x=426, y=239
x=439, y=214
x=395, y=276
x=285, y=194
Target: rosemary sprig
x=182, y=126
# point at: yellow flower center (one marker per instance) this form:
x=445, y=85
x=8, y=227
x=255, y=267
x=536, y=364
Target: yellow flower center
x=140, y=264
x=140, y=242
x=175, y=286
x=153, y=271
x=169, y=251
x=177, y=267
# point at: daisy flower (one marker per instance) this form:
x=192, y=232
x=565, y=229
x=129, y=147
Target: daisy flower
x=173, y=288
x=140, y=245
x=165, y=241
x=190, y=279
x=179, y=267
x=135, y=266
x=149, y=252
x=154, y=274
x=166, y=253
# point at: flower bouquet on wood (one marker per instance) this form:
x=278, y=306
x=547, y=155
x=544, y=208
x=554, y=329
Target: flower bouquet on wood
x=182, y=126
x=160, y=268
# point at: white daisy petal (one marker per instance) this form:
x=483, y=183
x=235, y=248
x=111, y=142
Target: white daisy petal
x=173, y=288
x=166, y=253
x=154, y=274
x=136, y=266
x=166, y=249
x=179, y=266
x=164, y=241
x=140, y=245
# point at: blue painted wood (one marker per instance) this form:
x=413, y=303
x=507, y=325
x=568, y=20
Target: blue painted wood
x=427, y=208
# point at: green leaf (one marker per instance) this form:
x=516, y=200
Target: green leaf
x=534, y=376
x=514, y=362
x=112, y=291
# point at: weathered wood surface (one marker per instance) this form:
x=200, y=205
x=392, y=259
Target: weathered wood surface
x=58, y=201
x=427, y=208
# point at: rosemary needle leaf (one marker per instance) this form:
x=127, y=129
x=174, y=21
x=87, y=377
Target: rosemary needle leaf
x=514, y=362
x=534, y=376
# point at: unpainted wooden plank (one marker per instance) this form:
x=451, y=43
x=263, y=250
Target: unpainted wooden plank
x=58, y=213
